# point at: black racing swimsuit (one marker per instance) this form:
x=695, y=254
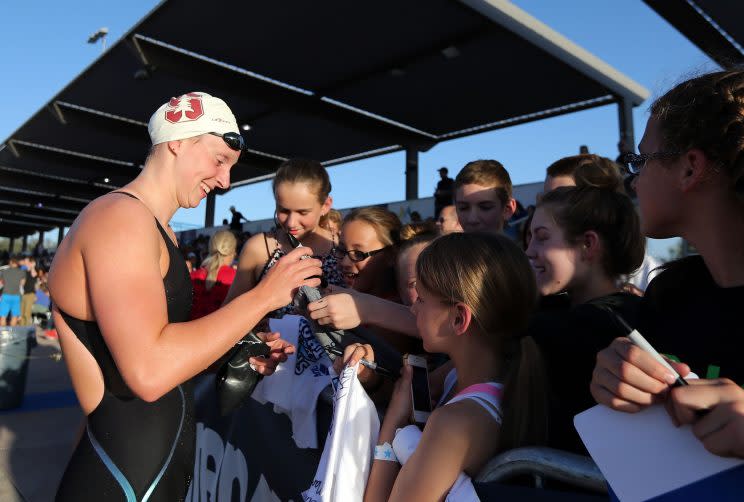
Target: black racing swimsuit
x=133, y=450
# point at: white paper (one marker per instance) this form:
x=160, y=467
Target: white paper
x=643, y=455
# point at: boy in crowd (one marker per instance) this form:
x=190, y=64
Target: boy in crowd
x=483, y=196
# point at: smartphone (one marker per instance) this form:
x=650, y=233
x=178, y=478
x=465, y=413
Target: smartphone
x=420, y=389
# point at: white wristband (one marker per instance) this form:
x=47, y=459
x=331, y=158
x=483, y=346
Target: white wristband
x=385, y=452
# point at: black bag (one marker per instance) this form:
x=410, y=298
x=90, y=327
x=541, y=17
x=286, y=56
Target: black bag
x=236, y=379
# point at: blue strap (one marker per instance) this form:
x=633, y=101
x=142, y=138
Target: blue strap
x=119, y=476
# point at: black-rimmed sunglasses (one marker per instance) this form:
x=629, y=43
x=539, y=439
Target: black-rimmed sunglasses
x=634, y=162
x=233, y=140
x=355, y=255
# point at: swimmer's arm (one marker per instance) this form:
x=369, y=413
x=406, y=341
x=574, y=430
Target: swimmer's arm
x=252, y=256
x=128, y=300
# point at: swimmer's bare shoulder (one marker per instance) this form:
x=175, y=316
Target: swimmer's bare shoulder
x=104, y=230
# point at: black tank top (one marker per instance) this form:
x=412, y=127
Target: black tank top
x=135, y=450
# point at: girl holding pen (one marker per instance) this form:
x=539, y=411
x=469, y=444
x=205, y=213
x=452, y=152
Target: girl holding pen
x=690, y=184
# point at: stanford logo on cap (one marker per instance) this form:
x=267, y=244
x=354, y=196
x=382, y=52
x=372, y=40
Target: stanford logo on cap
x=184, y=108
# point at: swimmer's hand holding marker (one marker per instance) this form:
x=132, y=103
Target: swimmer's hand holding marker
x=295, y=243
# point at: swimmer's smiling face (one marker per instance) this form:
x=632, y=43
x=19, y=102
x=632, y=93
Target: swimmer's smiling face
x=205, y=162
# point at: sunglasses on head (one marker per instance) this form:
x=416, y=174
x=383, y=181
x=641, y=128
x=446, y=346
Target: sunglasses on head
x=233, y=140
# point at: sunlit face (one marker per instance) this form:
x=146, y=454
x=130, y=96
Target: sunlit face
x=556, y=263
x=205, y=164
x=447, y=222
x=433, y=320
x=553, y=182
x=405, y=273
x=363, y=275
x=658, y=200
x=479, y=209
x=298, y=209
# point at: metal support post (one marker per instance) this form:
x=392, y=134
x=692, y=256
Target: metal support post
x=209, y=215
x=411, y=173
x=625, y=115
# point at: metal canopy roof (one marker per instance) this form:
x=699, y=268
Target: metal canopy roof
x=713, y=25
x=331, y=80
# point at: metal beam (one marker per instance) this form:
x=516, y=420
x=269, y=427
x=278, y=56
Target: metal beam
x=60, y=235
x=519, y=22
x=692, y=21
x=64, y=189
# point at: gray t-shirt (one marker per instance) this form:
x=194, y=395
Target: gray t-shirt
x=12, y=278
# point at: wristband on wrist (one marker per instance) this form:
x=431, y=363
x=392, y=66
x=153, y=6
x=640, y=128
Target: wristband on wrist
x=385, y=452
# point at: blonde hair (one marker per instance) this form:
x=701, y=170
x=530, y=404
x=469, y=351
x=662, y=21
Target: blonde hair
x=492, y=276
x=222, y=243
x=386, y=224
x=333, y=215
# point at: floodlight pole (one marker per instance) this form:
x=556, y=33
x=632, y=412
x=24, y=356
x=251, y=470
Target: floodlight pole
x=411, y=173
x=209, y=214
x=625, y=114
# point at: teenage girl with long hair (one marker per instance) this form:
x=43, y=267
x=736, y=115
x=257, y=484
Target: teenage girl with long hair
x=476, y=293
x=302, y=191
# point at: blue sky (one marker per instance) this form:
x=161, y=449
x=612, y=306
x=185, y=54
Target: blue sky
x=43, y=47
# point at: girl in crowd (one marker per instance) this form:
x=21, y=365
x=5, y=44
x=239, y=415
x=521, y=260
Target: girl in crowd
x=212, y=281
x=128, y=344
x=414, y=238
x=302, y=192
x=476, y=293
x=369, y=240
x=690, y=184
x=583, y=239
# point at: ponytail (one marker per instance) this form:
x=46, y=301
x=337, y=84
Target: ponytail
x=524, y=405
x=222, y=243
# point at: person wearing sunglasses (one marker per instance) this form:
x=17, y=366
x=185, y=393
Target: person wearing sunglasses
x=122, y=298
x=690, y=184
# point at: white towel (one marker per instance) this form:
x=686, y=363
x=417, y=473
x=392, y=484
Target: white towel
x=347, y=456
x=296, y=384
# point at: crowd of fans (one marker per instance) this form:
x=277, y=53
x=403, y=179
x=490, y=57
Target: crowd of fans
x=521, y=304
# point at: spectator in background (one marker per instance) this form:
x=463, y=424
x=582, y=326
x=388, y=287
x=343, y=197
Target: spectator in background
x=444, y=191
x=236, y=223
x=414, y=238
x=213, y=279
x=583, y=149
x=29, y=290
x=332, y=222
x=483, y=196
x=447, y=222
x=13, y=279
